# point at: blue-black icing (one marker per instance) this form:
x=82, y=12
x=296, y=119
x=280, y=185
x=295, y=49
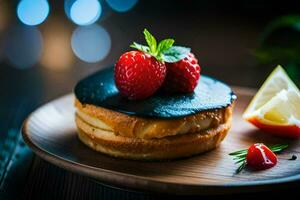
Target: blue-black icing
x=99, y=89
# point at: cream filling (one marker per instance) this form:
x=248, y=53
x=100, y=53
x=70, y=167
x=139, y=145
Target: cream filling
x=93, y=121
x=151, y=128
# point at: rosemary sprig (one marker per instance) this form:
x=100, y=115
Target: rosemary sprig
x=240, y=156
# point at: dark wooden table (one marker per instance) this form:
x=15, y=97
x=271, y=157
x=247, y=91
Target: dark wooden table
x=222, y=37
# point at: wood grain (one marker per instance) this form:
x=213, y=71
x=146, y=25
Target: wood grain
x=50, y=132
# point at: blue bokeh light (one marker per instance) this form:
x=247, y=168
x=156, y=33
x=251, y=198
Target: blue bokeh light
x=67, y=7
x=33, y=12
x=91, y=43
x=121, y=5
x=83, y=12
x=23, y=46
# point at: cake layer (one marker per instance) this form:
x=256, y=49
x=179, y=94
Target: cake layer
x=148, y=128
x=151, y=149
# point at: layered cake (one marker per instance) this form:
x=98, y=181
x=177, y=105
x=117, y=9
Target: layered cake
x=145, y=108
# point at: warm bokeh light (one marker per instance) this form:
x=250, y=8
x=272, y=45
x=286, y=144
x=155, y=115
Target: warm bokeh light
x=23, y=46
x=4, y=15
x=121, y=5
x=83, y=12
x=57, y=53
x=33, y=12
x=91, y=43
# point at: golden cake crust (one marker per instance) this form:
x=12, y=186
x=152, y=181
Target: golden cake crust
x=146, y=128
x=151, y=149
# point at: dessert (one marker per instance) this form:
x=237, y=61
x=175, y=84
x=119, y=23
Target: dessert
x=148, y=122
x=160, y=127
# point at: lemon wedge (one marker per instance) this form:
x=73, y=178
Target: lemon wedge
x=276, y=106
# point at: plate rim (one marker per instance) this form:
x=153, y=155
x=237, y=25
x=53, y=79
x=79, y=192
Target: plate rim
x=141, y=184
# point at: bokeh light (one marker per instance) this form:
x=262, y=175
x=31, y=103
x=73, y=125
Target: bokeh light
x=23, y=46
x=57, y=53
x=83, y=12
x=33, y=12
x=4, y=15
x=91, y=43
x=121, y=5
x=3, y=24
x=67, y=6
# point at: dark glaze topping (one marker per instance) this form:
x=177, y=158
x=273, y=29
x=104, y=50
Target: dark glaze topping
x=99, y=89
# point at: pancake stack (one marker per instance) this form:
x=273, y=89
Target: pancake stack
x=140, y=130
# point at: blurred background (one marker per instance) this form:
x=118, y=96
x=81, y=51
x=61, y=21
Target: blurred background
x=47, y=46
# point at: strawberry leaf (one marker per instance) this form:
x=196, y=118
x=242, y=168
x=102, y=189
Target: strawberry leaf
x=164, y=51
x=140, y=47
x=175, y=53
x=165, y=45
x=151, y=41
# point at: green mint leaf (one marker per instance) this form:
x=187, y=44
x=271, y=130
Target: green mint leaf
x=162, y=51
x=140, y=47
x=165, y=45
x=175, y=53
x=151, y=41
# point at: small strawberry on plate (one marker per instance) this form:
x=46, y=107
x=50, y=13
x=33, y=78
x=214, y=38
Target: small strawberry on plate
x=258, y=156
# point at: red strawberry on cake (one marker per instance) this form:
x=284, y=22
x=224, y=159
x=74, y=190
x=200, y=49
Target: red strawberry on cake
x=139, y=74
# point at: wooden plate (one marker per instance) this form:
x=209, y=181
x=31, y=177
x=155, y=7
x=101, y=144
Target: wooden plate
x=51, y=133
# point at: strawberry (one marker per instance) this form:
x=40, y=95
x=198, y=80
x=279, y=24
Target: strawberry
x=139, y=74
x=260, y=157
x=182, y=76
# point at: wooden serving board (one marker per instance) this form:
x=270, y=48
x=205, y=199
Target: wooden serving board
x=51, y=133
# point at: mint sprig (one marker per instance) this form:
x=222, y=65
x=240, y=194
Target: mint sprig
x=151, y=41
x=164, y=51
x=240, y=156
x=175, y=54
